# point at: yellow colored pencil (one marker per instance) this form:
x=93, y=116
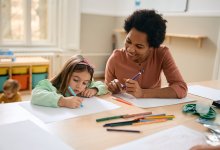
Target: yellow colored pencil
x=150, y=122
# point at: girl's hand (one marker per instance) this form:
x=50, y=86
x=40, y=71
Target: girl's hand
x=133, y=88
x=70, y=102
x=89, y=92
x=114, y=86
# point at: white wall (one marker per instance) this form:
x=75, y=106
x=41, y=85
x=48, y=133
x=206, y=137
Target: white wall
x=125, y=7
x=171, y=7
x=195, y=63
x=69, y=24
x=96, y=39
x=216, y=72
x=204, y=6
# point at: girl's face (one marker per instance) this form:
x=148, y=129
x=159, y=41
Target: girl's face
x=136, y=45
x=79, y=81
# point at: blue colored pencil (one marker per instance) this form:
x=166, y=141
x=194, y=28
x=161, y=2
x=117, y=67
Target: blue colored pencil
x=73, y=93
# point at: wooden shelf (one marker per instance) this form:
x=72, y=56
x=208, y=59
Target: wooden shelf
x=4, y=58
x=199, y=38
x=169, y=36
x=27, y=62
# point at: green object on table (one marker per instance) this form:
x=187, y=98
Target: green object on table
x=109, y=118
x=191, y=108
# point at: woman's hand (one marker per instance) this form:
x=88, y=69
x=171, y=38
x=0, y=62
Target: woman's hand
x=89, y=92
x=114, y=86
x=133, y=88
x=70, y=102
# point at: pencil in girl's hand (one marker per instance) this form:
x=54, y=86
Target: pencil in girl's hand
x=73, y=93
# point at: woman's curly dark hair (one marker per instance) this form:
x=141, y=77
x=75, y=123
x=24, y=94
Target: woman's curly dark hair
x=149, y=22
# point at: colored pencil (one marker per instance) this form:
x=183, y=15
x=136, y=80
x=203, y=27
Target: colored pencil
x=73, y=93
x=122, y=101
x=136, y=76
x=123, y=130
x=133, y=78
x=149, y=122
x=123, y=123
x=138, y=114
x=109, y=118
x=122, y=116
x=160, y=117
x=155, y=115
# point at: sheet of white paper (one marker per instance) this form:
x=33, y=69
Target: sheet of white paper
x=151, y=102
x=25, y=135
x=177, y=138
x=203, y=91
x=49, y=114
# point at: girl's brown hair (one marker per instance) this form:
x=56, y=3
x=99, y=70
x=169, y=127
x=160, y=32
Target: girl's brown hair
x=76, y=63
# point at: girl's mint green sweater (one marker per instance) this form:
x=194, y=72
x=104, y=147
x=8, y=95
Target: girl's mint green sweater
x=45, y=94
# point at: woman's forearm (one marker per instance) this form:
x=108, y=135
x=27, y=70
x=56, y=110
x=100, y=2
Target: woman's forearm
x=166, y=92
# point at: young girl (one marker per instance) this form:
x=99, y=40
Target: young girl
x=74, y=80
x=10, y=92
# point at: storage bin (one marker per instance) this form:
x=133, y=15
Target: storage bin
x=2, y=81
x=39, y=69
x=36, y=77
x=23, y=80
x=19, y=70
x=3, y=71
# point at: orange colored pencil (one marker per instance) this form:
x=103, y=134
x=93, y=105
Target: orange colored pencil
x=122, y=101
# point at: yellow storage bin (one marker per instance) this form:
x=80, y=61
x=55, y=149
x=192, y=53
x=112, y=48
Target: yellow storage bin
x=3, y=71
x=19, y=70
x=39, y=69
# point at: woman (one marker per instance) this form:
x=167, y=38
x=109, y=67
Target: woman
x=144, y=54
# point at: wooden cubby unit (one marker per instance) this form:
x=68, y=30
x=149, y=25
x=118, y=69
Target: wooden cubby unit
x=28, y=63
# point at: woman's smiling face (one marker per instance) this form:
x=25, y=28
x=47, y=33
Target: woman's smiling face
x=136, y=45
